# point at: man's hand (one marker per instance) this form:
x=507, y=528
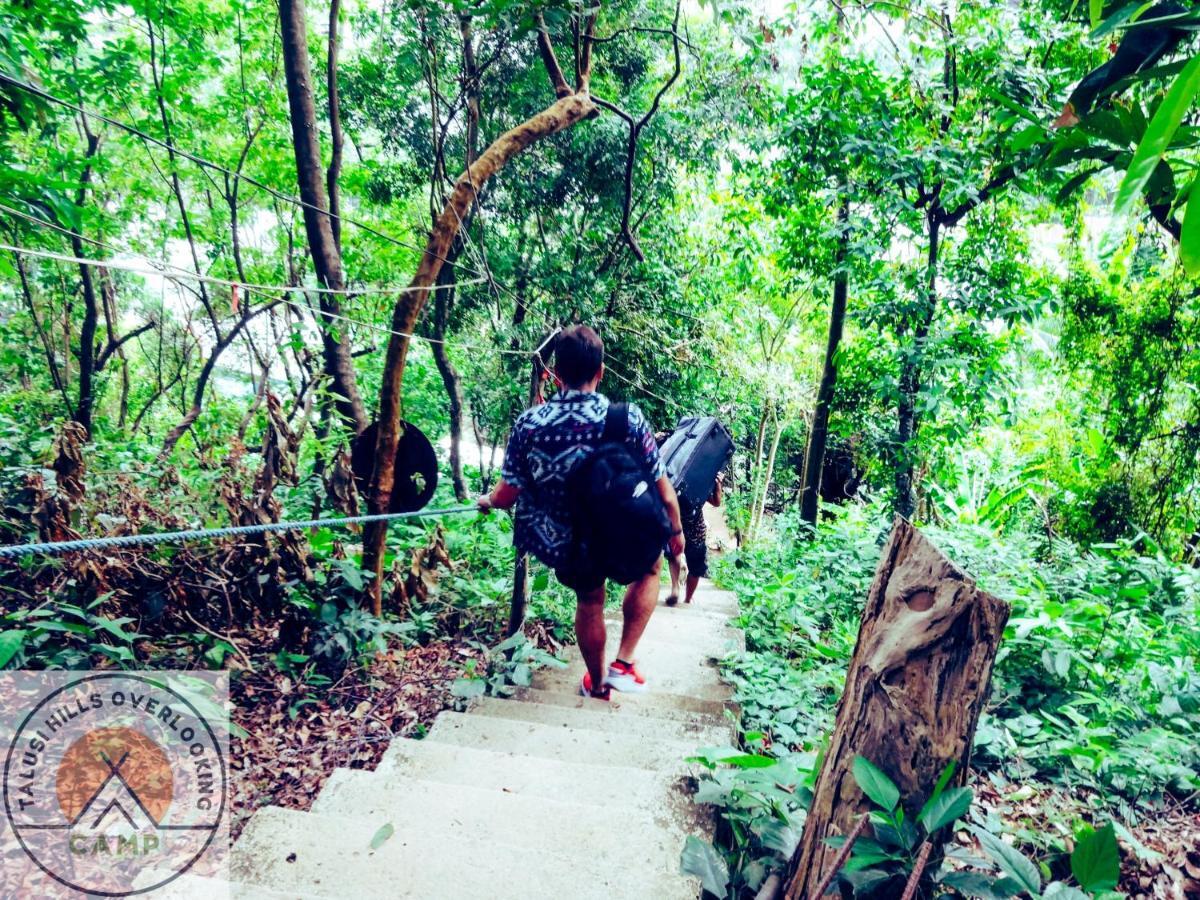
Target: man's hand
x=676, y=543
x=503, y=496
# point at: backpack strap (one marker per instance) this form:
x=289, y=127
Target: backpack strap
x=616, y=424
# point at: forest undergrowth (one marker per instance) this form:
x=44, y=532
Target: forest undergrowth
x=1094, y=713
x=317, y=681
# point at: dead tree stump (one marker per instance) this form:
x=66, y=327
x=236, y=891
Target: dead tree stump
x=917, y=682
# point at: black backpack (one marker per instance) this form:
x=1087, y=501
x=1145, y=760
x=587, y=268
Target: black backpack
x=619, y=518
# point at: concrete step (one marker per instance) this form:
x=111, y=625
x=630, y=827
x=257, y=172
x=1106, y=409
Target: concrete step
x=672, y=672
x=652, y=831
x=555, y=742
x=656, y=657
x=607, y=719
x=290, y=850
x=653, y=705
x=196, y=887
x=608, y=786
x=706, y=632
x=708, y=599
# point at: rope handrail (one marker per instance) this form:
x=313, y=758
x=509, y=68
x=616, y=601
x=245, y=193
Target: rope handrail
x=49, y=548
x=172, y=272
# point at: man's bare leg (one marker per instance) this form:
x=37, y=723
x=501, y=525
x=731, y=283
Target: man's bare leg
x=692, y=583
x=640, y=599
x=591, y=634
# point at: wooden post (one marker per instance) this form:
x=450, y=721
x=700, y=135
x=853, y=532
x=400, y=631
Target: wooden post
x=917, y=682
x=520, y=594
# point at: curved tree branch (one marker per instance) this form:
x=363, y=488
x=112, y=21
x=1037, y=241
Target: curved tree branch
x=628, y=232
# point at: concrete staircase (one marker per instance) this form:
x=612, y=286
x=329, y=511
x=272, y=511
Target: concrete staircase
x=543, y=795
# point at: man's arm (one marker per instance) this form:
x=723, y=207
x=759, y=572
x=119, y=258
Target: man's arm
x=503, y=496
x=670, y=500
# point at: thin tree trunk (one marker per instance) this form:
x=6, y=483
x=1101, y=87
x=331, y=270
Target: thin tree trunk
x=91, y=307
x=759, y=450
x=115, y=346
x=521, y=583
x=336, y=139
x=201, y=385
x=47, y=341
x=917, y=682
x=910, y=379
x=769, y=474
x=451, y=380
x=818, y=433
x=563, y=114
x=443, y=298
x=318, y=225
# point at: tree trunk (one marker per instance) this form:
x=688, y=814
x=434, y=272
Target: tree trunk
x=561, y=115
x=910, y=380
x=818, y=433
x=521, y=583
x=770, y=472
x=450, y=377
x=336, y=138
x=917, y=682
x=322, y=244
x=206, y=371
x=91, y=307
x=756, y=474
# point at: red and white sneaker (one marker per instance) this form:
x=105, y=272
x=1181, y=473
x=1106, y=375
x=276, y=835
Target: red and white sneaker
x=626, y=678
x=585, y=689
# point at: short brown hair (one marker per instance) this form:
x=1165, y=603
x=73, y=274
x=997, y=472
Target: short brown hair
x=578, y=355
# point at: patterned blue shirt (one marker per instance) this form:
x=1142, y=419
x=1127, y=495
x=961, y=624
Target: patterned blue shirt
x=546, y=444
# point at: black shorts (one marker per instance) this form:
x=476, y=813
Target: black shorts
x=579, y=573
x=696, y=555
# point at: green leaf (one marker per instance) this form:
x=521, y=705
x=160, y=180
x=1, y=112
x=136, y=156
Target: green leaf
x=750, y=761
x=215, y=655
x=976, y=884
x=875, y=784
x=10, y=644
x=944, y=779
x=944, y=809
x=1096, y=11
x=700, y=858
x=1096, y=860
x=1011, y=861
x=1158, y=137
x=1189, y=239
x=384, y=832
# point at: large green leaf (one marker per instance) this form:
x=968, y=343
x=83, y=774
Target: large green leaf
x=1096, y=860
x=1189, y=239
x=700, y=858
x=1011, y=861
x=945, y=808
x=875, y=784
x=10, y=644
x=1158, y=137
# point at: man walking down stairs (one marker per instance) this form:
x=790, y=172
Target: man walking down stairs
x=544, y=795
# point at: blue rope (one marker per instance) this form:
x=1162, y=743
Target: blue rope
x=11, y=551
